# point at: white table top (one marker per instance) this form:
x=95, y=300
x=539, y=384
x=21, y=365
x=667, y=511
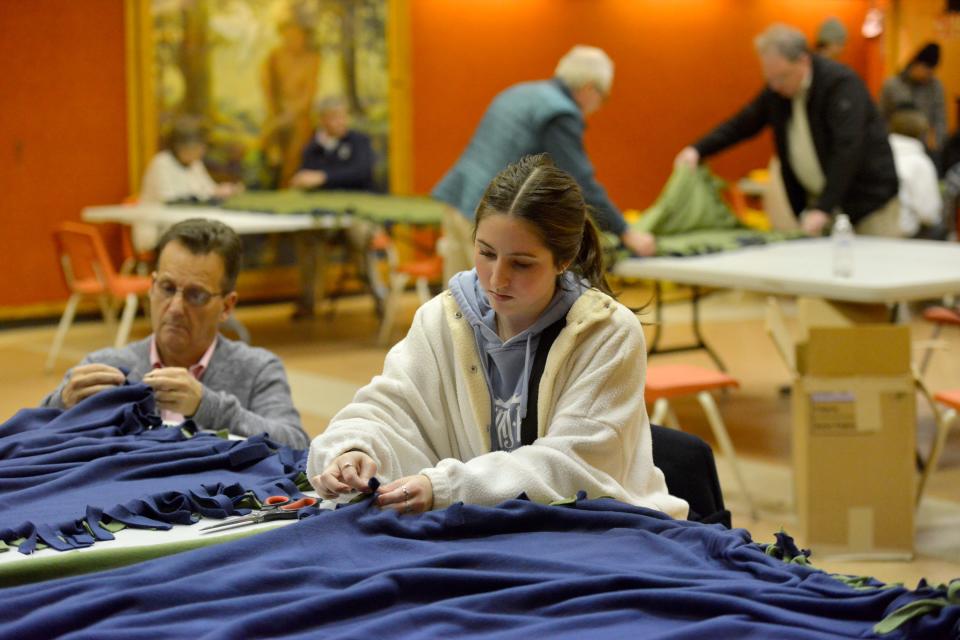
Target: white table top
x=129, y=537
x=243, y=222
x=885, y=269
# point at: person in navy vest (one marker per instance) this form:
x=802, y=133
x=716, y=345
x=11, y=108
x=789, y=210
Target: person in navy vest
x=337, y=157
x=529, y=118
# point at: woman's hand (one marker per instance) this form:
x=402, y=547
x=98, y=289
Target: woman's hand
x=349, y=472
x=225, y=190
x=413, y=494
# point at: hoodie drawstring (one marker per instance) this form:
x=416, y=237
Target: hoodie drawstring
x=526, y=380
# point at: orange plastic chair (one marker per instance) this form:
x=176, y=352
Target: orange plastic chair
x=676, y=381
x=951, y=402
x=134, y=261
x=88, y=272
x=423, y=270
x=940, y=317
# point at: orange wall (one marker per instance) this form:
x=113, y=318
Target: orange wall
x=63, y=138
x=681, y=67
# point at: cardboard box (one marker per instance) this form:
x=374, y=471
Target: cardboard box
x=854, y=423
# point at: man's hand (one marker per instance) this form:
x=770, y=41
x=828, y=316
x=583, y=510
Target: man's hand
x=639, y=242
x=350, y=471
x=308, y=179
x=413, y=494
x=814, y=221
x=688, y=157
x=88, y=379
x=175, y=390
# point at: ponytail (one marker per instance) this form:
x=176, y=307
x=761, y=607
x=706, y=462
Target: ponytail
x=588, y=263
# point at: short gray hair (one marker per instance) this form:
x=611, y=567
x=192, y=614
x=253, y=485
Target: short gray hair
x=584, y=65
x=330, y=103
x=788, y=41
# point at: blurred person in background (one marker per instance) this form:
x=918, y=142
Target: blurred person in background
x=832, y=143
x=529, y=118
x=918, y=85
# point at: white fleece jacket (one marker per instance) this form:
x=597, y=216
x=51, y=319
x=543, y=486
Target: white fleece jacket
x=429, y=413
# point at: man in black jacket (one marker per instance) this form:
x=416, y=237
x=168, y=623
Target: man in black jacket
x=337, y=157
x=831, y=141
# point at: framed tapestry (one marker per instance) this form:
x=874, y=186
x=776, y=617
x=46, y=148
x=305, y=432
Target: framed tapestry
x=253, y=72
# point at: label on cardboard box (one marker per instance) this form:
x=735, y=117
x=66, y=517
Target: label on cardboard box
x=833, y=413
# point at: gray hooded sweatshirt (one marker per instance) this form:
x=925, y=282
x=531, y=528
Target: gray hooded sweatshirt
x=507, y=365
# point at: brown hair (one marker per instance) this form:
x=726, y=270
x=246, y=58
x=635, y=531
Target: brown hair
x=535, y=190
x=186, y=130
x=201, y=236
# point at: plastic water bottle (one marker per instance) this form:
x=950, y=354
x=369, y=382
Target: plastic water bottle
x=842, y=237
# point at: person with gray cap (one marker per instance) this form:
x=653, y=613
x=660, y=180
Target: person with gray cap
x=918, y=86
x=529, y=118
x=832, y=143
x=831, y=39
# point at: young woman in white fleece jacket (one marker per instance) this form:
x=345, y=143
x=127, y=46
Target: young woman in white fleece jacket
x=441, y=424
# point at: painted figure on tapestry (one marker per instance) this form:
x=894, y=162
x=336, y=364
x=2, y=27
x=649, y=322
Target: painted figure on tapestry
x=289, y=82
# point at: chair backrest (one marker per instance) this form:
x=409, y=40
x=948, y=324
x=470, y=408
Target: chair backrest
x=690, y=471
x=83, y=257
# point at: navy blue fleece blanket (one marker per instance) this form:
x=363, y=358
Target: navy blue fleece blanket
x=109, y=459
x=594, y=569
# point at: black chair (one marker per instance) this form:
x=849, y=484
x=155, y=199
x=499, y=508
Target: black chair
x=691, y=473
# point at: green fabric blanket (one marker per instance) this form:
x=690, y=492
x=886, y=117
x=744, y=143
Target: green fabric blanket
x=690, y=218
x=380, y=208
x=689, y=202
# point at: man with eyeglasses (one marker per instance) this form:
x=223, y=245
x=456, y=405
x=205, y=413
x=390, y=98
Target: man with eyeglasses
x=195, y=372
x=526, y=119
x=830, y=138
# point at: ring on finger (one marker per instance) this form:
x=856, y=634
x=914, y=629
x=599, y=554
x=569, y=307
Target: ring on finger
x=406, y=494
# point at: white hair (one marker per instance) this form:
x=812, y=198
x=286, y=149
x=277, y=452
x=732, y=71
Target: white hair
x=329, y=103
x=584, y=65
x=788, y=41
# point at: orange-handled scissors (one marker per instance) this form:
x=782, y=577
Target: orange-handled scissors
x=274, y=508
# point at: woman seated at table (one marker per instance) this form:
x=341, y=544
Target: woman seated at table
x=177, y=174
x=462, y=397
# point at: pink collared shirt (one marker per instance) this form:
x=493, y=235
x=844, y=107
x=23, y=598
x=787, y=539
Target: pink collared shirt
x=195, y=370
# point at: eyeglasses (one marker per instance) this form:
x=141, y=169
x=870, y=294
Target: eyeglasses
x=192, y=295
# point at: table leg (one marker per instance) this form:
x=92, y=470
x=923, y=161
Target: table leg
x=657, y=318
x=695, y=302
x=312, y=258
x=699, y=342
x=367, y=260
